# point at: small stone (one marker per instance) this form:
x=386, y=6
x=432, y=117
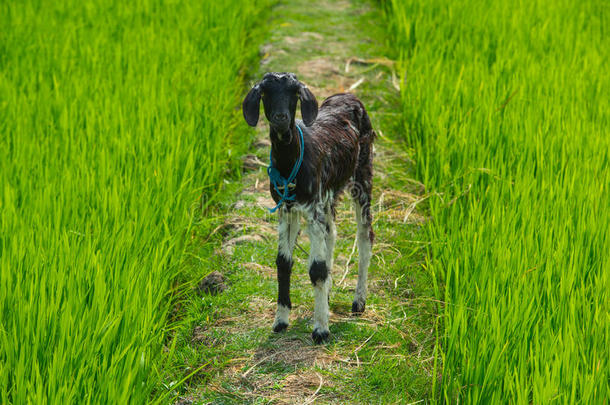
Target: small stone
x=213, y=283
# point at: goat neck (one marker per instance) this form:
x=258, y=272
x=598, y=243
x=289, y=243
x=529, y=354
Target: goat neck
x=285, y=149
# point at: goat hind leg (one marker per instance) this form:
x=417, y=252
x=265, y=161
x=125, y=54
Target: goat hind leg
x=364, y=238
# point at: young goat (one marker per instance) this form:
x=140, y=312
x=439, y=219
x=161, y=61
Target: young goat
x=335, y=152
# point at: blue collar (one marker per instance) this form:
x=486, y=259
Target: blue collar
x=285, y=187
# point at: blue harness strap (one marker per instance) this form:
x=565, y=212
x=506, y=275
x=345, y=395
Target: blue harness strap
x=284, y=187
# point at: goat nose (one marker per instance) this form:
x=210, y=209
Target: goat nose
x=280, y=117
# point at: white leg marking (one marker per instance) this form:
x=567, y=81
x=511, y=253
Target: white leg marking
x=281, y=315
x=320, y=315
x=288, y=230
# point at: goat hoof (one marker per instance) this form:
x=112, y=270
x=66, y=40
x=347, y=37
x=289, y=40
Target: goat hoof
x=280, y=327
x=358, y=307
x=320, y=336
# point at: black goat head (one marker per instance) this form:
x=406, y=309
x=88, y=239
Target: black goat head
x=280, y=92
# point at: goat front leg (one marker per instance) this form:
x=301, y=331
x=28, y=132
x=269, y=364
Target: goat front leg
x=288, y=231
x=319, y=275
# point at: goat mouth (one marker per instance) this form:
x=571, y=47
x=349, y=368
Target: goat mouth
x=281, y=128
x=282, y=137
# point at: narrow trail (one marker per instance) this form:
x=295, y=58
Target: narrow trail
x=384, y=356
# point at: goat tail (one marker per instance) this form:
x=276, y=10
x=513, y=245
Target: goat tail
x=365, y=127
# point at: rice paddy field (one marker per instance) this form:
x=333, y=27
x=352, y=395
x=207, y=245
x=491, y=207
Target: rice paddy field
x=506, y=109
x=121, y=165
x=115, y=119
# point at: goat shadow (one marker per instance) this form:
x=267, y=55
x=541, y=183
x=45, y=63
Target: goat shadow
x=293, y=349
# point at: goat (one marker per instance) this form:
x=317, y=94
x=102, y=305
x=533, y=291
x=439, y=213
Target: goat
x=334, y=146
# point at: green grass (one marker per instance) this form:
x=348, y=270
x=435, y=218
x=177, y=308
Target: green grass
x=114, y=119
x=506, y=109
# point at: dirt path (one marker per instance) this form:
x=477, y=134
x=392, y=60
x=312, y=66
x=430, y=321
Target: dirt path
x=385, y=356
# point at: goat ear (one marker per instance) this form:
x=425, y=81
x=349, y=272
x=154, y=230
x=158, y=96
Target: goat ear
x=309, y=106
x=251, y=105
